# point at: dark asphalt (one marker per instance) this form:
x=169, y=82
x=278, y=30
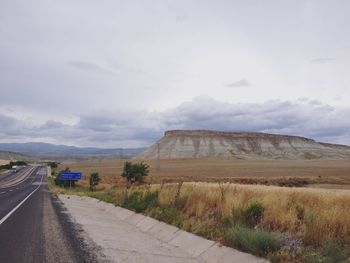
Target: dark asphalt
x=9, y=175
x=40, y=230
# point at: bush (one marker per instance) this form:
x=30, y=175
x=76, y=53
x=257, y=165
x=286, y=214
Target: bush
x=53, y=165
x=66, y=183
x=94, y=180
x=250, y=215
x=165, y=213
x=13, y=163
x=253, y=214
x=334, y=252
x=139, y=201
x=258, y=242
x=135, y=172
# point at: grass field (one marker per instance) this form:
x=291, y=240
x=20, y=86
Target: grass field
x=284, y=173
x=2, y=162
x=218, y=201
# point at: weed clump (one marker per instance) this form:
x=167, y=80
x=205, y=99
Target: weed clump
x=250, y=215
x=258, y=242
x=140, y=201
x=166, y=213
x=334, y=251
x=253, y=214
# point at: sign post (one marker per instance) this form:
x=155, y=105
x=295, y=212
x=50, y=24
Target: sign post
x=70, y=176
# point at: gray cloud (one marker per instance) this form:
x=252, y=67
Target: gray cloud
x=181, y=18
x=132, y=128
x=239, y=83
x=322, y=60
x=87, y=66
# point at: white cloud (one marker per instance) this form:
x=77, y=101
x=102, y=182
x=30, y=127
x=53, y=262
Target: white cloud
x=117, y=72
x=239, y=83
x=322, y=60
x=131, y=128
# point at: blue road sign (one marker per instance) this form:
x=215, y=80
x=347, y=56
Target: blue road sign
x=66, y=176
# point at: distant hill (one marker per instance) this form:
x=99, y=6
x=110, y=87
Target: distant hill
x=241, y=145
x=8, y=156
x=47, y=149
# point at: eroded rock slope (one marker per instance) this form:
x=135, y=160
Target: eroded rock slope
x=240, y=145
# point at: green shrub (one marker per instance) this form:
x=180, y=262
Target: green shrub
x=258, y=242
x=94, y=180
x=334, y=252
x=64, y=183
x=105, y=196
x=253, y=214
x=166, y=214
x=250, y=215
x=140, y=201
x=135, y=172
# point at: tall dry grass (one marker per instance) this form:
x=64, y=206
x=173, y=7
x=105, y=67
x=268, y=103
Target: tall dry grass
x=314, y=215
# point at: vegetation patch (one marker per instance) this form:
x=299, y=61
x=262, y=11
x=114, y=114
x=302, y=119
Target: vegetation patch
x=247, y=217
x=258, y=242
x=167, y=214
x=139, y=201
x=12, y=163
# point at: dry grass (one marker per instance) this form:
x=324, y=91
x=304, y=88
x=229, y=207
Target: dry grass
x=315, y=215
x=2, y=162
x=227, y=170
x=209, y=204
x=210, y=209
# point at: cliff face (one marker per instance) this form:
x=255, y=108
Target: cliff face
x=240, y=145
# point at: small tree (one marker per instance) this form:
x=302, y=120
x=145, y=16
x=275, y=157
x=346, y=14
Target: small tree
x=53, y=165
x=135, y=172
x=94, y=181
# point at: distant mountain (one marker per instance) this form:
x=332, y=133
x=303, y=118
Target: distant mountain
x=7, y=155
x=48, y=149
x=241, y=145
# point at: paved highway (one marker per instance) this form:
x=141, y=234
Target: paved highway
x=34, y=226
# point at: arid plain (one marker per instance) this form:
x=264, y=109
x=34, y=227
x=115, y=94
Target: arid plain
x=321, y=173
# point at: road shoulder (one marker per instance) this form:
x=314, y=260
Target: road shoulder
x=128, y=237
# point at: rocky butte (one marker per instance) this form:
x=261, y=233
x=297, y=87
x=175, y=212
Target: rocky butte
x=241, y=145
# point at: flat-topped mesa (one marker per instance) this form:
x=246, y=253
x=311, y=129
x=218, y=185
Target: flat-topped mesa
x=241, y=134
x=240, y=145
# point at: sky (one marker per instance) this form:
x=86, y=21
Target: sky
x=113, y=73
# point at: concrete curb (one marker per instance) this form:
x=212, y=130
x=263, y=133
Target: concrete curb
x=201, y=249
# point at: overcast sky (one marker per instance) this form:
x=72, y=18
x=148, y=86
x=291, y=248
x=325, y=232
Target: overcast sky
x=115, y=73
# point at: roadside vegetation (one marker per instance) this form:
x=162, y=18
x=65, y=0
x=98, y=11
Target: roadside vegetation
x=135, y=172
x=12, y=163
x=280, y=223
x=94, y=180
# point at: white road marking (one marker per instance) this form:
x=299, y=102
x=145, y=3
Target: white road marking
x=21, y=203
x=2, y=193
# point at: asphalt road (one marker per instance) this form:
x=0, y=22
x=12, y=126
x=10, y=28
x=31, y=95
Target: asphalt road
x=8, y=176
x=40, y=229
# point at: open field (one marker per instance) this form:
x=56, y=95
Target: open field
x=217, y=197
x=284, y=173
x=304, y=220
x=2, y=162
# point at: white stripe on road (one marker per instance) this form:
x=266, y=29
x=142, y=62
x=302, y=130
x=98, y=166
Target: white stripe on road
x=21, y=203
x=2, y=193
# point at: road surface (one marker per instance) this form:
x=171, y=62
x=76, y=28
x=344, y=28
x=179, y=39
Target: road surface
x=34, y=227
